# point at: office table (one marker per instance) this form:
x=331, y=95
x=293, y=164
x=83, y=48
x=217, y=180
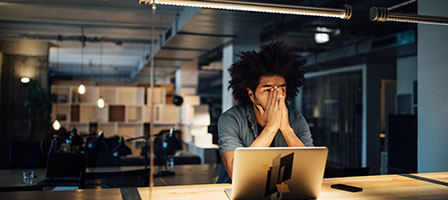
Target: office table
x=413, y=186
x=185, y=174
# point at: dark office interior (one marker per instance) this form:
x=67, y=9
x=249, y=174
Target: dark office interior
x=126, y=94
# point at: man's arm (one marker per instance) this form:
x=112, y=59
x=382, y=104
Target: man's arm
x=227, y=159
x=288, y=132
x=273, y=117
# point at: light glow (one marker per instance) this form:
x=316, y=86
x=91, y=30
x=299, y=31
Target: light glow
x=82, y=89
x=321, y=37
x=345, y=13
x=100, y=102
x=25, y=80
x=56, y=125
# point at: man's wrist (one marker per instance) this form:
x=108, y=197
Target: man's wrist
x=286, y=129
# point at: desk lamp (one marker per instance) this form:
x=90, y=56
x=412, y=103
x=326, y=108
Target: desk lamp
x=122, y=150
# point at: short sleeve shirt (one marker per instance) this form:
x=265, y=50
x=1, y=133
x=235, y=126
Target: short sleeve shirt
x=237, y=127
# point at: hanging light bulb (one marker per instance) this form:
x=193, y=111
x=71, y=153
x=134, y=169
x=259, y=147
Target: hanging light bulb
x=100, y=102
x=56, y=125
x=82, y=89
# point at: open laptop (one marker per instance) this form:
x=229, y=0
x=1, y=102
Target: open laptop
x=277, y=173
x=64, y=169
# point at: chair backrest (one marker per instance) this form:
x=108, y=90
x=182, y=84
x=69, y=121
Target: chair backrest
x=65, y=165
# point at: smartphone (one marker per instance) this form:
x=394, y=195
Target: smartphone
x=346, y=187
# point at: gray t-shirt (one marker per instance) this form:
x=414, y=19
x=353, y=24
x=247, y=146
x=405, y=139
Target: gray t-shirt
x=237, y=127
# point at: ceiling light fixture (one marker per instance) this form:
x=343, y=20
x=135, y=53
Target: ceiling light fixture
x=82, y=87
x=100, y=102
x=344, y=13
x=25, y=80
x=380, y=14
x=321, y=37
x=56, y=124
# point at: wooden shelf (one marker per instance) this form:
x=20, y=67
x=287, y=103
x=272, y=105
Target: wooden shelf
x=60, y=112
x=116, y=113
x=130, y=130
x=125, y=112
x=159, y=95
x=63, y=93
x=130, y=95
x=134, y=113
x=90, y=113
x=109, y=94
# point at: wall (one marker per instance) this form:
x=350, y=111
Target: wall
x=248, y=42
x=406, y=74
x=377, y=70
x=20, y=58
x=432, y=89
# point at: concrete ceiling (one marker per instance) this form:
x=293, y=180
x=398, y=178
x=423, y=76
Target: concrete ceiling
x=182, y=34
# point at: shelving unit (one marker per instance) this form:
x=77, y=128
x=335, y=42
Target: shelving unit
x=125, y=112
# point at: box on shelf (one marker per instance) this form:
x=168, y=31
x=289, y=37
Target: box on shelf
x=199, y=130
x=63, y=93
x=116, y=113
x=191, y=100
x=134, y=113
x=203, y=140
x=147, y=115
x=109, y=94
x=130, y=95
x=91, y=113
x=159, y=95
x=91, y=96
x=201, y=115
x=60, y=112
x=167, y=114
x=169, y=92
x=186, y=92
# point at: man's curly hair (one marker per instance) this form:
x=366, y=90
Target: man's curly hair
x=273, y=59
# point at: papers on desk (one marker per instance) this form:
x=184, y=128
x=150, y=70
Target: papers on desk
x=63, y=188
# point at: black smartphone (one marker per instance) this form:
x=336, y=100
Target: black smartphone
x=346, y=187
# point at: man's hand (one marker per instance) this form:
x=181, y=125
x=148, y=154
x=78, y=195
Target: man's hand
x=272, y=116
x=285, y=116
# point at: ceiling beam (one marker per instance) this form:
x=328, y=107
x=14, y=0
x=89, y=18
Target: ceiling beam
x=181, y=19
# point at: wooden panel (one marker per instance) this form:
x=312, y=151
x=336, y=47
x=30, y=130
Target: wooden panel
x=130, y=96
x=109, y=94
x=110, y=129
x=146, y=114
x=168, y=114
x=159, y=95
x=63, y=93
x=91, y=96
x=61, y=112
x=74, y=113
x=116, y=113
x=90, y=113
x=130, y=130
x=134, y=113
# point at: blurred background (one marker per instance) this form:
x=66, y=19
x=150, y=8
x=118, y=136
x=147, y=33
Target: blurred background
x=75, y=82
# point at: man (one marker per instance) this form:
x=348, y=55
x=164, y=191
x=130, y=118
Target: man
x=262, y=82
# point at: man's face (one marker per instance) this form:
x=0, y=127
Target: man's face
x=260, y=97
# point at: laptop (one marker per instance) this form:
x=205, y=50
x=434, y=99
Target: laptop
x=64, y=169
x=277, y=173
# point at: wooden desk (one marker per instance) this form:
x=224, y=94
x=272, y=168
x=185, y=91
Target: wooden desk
x=375, y=187
x=185, y=175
